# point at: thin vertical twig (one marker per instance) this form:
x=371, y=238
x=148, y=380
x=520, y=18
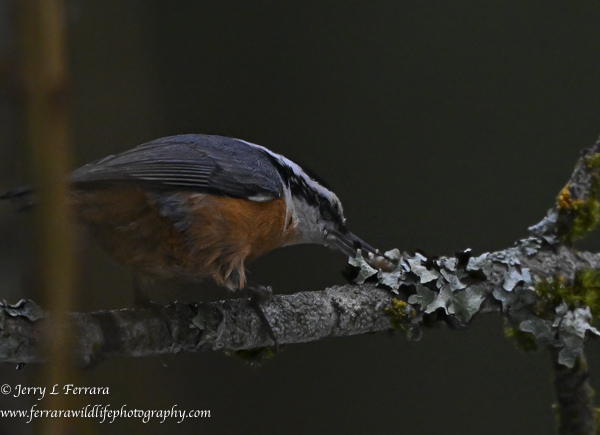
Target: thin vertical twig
x=42, y=36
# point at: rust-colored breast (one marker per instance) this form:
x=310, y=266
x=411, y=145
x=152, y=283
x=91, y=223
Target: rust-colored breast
x=228, y=233
x=221, y=235
x=128, y=225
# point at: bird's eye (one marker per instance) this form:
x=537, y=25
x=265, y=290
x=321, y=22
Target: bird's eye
x=327, y=215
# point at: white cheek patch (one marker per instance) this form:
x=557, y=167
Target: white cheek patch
x=309, y=228
x=308, y=222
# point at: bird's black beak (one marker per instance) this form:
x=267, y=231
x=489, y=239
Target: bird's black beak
x=348, y=243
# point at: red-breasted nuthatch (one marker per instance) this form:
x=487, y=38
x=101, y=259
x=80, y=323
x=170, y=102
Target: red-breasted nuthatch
x=197, y=206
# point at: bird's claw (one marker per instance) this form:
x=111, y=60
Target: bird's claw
x=258, y=296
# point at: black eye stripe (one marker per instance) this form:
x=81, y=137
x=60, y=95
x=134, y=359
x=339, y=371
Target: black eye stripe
x=301, y=189
x=330, y=211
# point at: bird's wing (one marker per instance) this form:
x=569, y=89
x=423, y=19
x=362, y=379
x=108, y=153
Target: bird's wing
x=198, y=163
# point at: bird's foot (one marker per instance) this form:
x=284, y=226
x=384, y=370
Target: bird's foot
x=258, y=296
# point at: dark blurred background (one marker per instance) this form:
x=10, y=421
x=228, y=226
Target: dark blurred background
x=441, y=126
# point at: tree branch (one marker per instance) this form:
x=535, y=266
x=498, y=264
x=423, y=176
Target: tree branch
x=548, y=291
x=234, y=324
x=180, y=327
x=575, y=409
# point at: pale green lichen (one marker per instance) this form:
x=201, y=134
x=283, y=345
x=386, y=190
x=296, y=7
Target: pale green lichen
x=555, y=312
x=584, y=291
x=524, y=340
x=593, y=161
x=577, y=217
x=399, y=312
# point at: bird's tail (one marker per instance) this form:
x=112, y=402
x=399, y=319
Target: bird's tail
x=22, y=197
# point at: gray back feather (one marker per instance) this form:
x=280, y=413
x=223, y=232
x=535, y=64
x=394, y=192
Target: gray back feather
x=198, y=163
